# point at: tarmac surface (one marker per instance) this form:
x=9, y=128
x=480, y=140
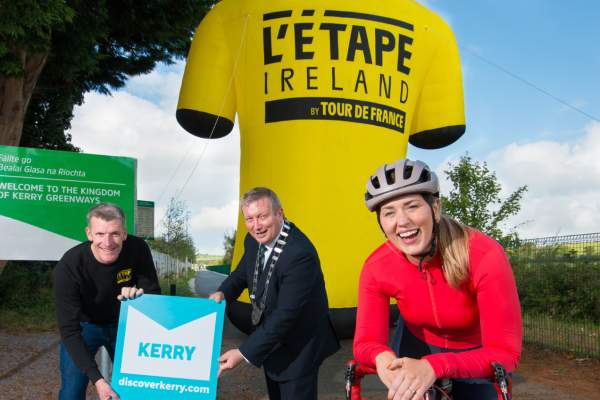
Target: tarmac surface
x=206, y=282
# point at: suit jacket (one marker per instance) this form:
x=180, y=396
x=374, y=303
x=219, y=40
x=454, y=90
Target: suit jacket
x=295, y=334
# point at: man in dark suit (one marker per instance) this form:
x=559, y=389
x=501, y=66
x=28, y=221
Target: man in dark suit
x=292, y=330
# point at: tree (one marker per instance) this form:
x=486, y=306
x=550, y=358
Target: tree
x=228, y=246
x=176, y=240
x=49, y=117
x=72, y=47
x=475, y=199
x=25, y=40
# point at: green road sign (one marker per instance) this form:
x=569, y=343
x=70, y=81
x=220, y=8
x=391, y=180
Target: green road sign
x=144, y=219
x=45, y=195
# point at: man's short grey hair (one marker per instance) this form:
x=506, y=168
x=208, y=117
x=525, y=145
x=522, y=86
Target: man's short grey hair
x=106, y=212
x=258, y=193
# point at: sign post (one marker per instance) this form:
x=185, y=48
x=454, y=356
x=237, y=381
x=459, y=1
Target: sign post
x=144, y=219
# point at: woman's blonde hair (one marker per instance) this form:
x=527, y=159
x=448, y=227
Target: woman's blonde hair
x=453, y=244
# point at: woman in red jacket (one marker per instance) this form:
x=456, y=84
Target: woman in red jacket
x=454, y=288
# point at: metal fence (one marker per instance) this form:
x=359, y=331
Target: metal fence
x=558, y=279
x=167, y=265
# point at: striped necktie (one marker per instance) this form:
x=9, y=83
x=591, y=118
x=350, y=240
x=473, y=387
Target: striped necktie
x=262, y=249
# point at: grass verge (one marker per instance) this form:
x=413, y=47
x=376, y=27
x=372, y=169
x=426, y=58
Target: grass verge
x=581, y=338
x=181, y=282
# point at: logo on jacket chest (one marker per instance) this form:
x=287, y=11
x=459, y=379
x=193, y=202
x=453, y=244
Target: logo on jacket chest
x=124, y=275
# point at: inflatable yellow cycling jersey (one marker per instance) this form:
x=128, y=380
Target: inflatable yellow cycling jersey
x=325, y=92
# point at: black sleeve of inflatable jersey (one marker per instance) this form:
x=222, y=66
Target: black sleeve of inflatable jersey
x=68, y=311
x=146, y=273
x=237, y=281
x=437, y=138
x=202, y=124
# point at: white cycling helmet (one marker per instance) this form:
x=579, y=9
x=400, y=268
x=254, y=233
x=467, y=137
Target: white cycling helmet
x=402, y=177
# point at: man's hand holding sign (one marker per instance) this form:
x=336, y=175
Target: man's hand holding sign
x=232, y=358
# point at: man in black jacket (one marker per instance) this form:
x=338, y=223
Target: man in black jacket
x=292, y=330
x=89, y=281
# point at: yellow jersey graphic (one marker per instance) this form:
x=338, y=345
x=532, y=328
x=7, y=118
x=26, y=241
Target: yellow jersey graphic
x=124, y=275
x=325, y=92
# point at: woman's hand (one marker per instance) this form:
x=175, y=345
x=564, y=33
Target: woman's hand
x=383, y=361
x=411, y=378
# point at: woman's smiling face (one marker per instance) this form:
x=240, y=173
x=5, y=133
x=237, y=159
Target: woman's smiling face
x=407, y=222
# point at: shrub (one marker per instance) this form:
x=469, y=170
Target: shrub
x=558, y=281
x=26, y=299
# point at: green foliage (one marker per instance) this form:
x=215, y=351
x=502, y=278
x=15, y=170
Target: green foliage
x=91, y=46
x=181, y=282
x=49, y=117
x=182, y=250
x=26, y=297
x=557, y=281
x=580, y=338
x=26, y=27
x=111, y=40
x=176, y=240
x=475, y=199
x=228, y=246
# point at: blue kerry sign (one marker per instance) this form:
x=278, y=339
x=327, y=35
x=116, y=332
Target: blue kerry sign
x=168, y=348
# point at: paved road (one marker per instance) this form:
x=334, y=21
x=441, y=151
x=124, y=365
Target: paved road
x=29, y=371
x=207, y=282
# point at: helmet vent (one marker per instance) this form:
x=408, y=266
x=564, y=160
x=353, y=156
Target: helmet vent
x=375, y=182
x=408, y=169
x=390, y=176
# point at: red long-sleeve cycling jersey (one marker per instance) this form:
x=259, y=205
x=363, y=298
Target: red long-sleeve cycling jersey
x=484, y=315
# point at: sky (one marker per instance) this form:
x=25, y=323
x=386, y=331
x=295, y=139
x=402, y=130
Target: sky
x=532, y=101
